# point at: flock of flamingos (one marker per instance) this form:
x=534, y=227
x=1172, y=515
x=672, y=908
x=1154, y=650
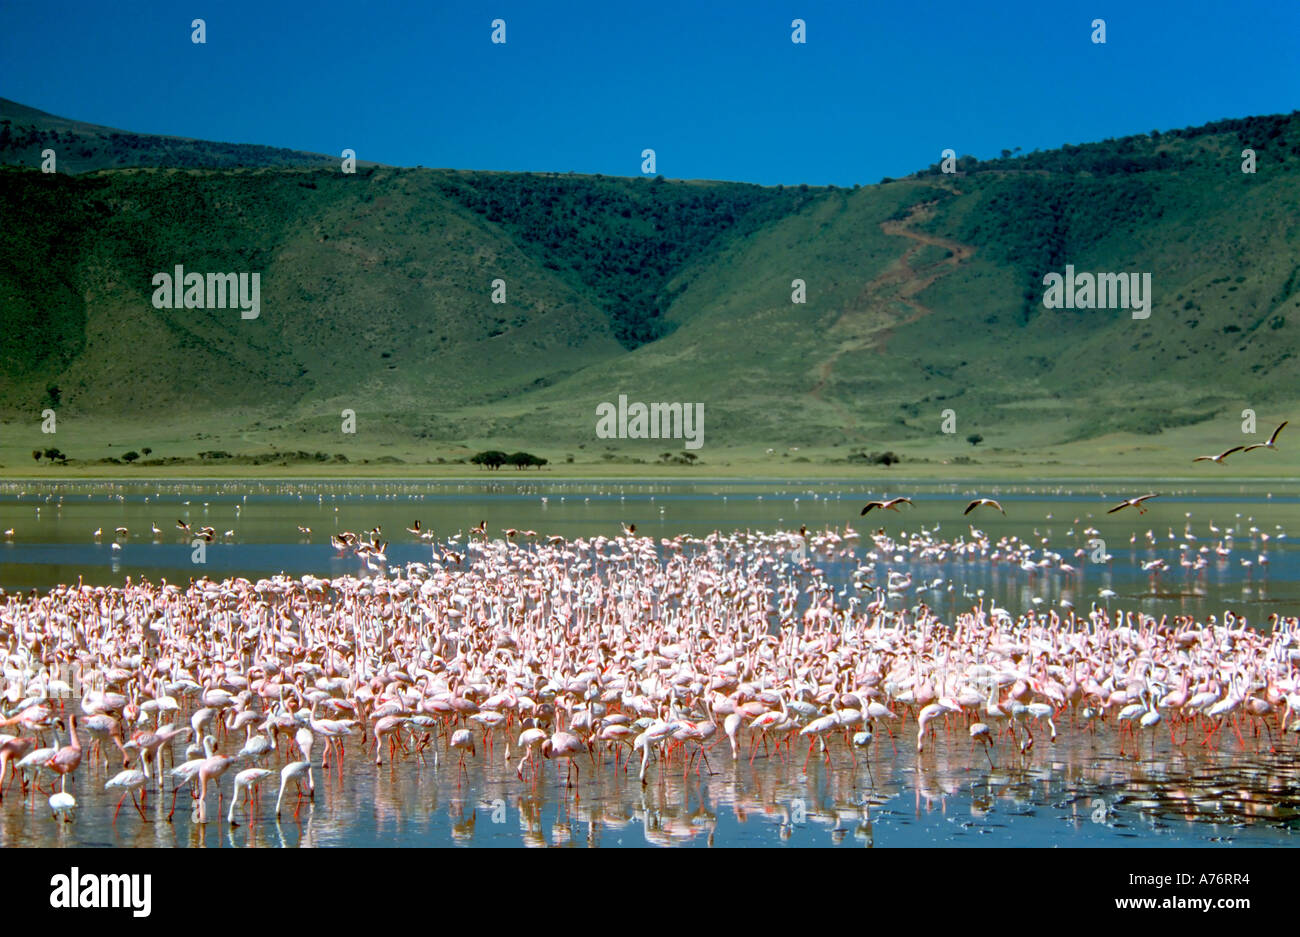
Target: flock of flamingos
x=625, y=654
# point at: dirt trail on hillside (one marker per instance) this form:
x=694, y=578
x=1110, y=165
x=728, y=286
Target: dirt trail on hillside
x=869, y=321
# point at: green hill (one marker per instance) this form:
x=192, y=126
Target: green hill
x=923, y=294
x=81, y=147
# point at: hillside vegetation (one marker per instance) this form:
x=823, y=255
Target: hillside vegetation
x=81, y=147
x=922, y=294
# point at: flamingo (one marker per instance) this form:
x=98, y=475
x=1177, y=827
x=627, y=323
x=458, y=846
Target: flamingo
x=529, y=740
x=247, y=781
x=862, y=741
x=62, y=803
x=388, y=728
x=980, y=730
x=102, y=726
x=1151, y=717
x=294, y=772
x=890, y=505
x=1218, y=459
x=927, y=715
x=1043, y=711
x=766, y=722
x=463, y=741
x=1271, y=443
x=817, y=731
x=36, y=759
x=304, y=738
x=186, y=772
x=730, y=725
x=1133, y=503
x=67, y=759
x=211, y=769
x=128, y=781
x=10, y=748
x=654, y=734
x=564, y=745
x=333, y=731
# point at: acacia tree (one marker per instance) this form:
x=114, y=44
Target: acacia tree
x=523, y=460
x=492, y=458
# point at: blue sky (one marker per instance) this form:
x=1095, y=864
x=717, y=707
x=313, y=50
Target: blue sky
x=717, y=89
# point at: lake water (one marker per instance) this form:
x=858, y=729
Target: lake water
x=1074, y=792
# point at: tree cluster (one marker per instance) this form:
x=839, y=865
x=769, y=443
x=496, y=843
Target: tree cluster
x=495, y=458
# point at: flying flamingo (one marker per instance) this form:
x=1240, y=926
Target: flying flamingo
x=1272, y=440
x=890, y=505
x=1133, y=503
x=1218, y=459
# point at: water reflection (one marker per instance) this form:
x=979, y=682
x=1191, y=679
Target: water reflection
x=1080, y=793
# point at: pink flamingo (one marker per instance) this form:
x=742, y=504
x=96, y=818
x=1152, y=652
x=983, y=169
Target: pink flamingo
x=13, y=749
x=68, y=758
x=211, y=770
x=564, y=745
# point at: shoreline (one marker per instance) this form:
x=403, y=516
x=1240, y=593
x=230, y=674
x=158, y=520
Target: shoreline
x=821, y=474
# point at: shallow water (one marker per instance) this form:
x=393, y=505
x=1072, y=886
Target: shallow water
x=53, y=524
x=1079, y=792
x=1076, y=791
